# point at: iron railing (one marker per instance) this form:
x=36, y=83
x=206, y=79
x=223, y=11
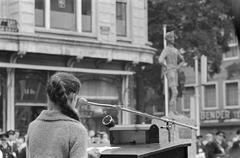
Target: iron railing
x=8, y=25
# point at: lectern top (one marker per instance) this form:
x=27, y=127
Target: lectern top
x=143, y=150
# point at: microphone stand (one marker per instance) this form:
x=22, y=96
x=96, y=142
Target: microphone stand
x=168, y=121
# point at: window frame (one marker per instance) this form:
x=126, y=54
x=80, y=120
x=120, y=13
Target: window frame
x=54, y=12
x=225, y=96
x=217, y=96
x=128, y=11
x=231, y=44
x=47, y=12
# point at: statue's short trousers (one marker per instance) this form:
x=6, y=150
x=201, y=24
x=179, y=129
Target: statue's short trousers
x=172, y=77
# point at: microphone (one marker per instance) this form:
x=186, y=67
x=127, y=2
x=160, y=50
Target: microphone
x=107, y=121
x=82, y=101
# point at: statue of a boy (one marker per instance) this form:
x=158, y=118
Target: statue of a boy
x=169, y=58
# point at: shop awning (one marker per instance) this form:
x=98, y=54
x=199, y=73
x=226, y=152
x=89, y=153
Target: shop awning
x=66, y=69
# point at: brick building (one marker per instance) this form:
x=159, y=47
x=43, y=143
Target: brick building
x=219, y=95
x=98, y=40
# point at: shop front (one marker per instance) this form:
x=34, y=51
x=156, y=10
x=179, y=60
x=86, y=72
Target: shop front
x=30, y=98
x=226, y=120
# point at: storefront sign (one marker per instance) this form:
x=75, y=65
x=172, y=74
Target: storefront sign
x=220, y=115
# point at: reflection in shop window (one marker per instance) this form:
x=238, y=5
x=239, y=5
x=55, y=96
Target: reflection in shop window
x=30, y=86
x=86, y=15
x=30, y=96
x=63, y=14
x=39, y=13
x=91, y=116
x=100, y=90
x=121, y=16
x=24, y=115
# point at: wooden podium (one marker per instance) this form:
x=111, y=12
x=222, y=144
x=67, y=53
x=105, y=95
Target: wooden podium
x=148, y=151
x=141, y=141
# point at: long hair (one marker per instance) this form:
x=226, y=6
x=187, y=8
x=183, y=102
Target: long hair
x=59, y=87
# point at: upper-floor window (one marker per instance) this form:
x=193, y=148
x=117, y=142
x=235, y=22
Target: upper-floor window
x=233, y=52
x=39, y=13
x=87, y=16
x=121, y=18
x=71, y=15
x=210, y=96
x=231, y=98
x=63, y=14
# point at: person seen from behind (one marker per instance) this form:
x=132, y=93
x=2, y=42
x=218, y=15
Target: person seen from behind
x=217, y=147
x=21, y=147
x=5, y=148
x=11, y=134
x=201, y=149
x=235, y=149
x=57, y=131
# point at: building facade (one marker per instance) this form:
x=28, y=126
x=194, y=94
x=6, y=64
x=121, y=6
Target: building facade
x=97, y=40
x=218, y=95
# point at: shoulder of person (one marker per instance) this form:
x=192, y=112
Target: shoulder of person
x=77, y=128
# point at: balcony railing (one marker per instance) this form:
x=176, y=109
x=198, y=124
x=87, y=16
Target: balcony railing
x=8, y=25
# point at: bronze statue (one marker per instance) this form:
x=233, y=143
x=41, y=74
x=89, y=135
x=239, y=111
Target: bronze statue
x=169, y=59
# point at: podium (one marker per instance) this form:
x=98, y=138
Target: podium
x=148, y=151
x=141, y=141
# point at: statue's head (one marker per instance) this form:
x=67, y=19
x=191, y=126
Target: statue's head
x=169, y=37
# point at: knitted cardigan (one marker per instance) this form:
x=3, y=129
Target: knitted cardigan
x=55, y=135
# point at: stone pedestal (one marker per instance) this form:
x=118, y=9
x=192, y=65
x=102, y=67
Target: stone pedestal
x=178, y=134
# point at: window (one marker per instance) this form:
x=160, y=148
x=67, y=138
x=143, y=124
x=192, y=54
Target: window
x=231, y=94
x=210, y=96
x=69, y=15
x=121, y=18
x=233, y=53
x=39, y=13
x=63, y=14
x=30, y=86
x=86, y=16
x=30, y=96
x=27, y=115
x=187, y=94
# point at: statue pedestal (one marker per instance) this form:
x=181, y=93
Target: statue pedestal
x=177, y=134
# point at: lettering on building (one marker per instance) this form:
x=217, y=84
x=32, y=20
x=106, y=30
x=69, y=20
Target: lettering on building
x=220, y=115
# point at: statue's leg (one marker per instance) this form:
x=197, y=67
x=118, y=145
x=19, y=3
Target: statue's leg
x=172, y=82
x=173, y=100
